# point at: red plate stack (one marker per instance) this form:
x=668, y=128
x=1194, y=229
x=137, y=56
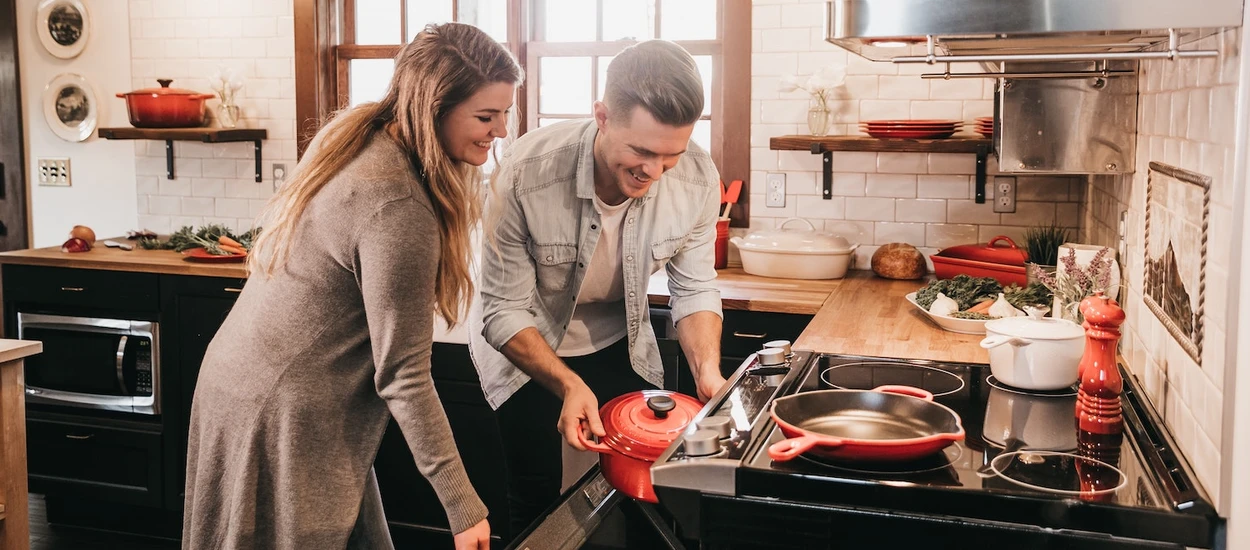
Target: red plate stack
x=911, y=129
x=985, y=126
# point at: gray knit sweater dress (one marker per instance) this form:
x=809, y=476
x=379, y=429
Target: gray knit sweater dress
x=297, y=386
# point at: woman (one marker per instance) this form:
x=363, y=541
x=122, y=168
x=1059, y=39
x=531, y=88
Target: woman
x=332, y=333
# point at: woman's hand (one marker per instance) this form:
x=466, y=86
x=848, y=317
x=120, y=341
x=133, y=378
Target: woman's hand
x=474, y=538
x=580, y=406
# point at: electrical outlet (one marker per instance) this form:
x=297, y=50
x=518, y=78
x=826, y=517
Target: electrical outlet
x=279, y=175
x=776, y=191
x=1004, y=194
x=54, y=172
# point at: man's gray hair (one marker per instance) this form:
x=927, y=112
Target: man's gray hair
x=658, y=76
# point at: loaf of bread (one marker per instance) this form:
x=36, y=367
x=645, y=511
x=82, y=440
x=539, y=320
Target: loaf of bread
x=898, y=261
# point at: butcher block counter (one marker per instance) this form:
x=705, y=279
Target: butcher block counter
x=742, y=291
x=115, y=259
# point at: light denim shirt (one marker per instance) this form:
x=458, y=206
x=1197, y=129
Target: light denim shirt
x=545, y=228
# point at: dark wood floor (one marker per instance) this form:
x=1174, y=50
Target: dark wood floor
x=47, y=537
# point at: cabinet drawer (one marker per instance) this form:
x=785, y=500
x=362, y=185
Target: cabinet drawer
x=744, y=332
x=81, y=288
x=94, y=461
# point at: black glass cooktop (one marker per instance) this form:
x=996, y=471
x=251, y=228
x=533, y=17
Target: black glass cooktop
x=1023, y=459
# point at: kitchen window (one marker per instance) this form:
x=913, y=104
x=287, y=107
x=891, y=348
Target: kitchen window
x=564, y=47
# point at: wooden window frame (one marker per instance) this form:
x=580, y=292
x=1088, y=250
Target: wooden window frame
x=321, y=61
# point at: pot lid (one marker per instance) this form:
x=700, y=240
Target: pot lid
x=1047, y=328
x=642, y=424
x=807, y=241
x=164, y=89
x=1000, y=250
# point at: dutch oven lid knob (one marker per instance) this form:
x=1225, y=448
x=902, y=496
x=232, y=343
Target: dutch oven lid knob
x=164, y=82
x=661, y=405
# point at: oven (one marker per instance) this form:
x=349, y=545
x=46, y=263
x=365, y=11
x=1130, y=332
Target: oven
x=95, y=363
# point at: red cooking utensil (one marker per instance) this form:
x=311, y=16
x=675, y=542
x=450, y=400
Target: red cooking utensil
x=731, y=196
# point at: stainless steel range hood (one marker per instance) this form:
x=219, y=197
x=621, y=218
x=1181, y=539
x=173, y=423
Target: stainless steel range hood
x=939, y=31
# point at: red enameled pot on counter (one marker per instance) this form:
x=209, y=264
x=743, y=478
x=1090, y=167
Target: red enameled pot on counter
x=639, y=426
x=165, y=107
x=1004, y=263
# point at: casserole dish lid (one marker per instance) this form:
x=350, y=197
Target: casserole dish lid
x=642, y=424
x=807, y=241
x=1046, y=328
x=165, y=90
x=1000, y=250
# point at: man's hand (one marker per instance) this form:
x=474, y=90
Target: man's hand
x=710, y=381
x=474, y=538
x=580, y=406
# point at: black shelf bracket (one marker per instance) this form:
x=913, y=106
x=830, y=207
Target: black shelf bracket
x=256, y=144
x=982, y=152
x=169, y=159
x=826, y=171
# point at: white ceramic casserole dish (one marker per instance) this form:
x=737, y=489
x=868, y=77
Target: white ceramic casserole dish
x=795, y=254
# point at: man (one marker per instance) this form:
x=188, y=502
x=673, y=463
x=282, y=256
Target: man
x=582, y=214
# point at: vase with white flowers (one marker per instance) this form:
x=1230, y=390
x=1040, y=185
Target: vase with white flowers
x=227, y=85
x=820, y=87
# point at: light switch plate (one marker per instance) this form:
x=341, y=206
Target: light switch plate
x=53, y=172
x=775, y=191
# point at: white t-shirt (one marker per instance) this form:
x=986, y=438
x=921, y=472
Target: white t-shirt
x=599, y=317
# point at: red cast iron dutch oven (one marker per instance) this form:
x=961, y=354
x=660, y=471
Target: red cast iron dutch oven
x=165, y=107
x=639, y=426
x=886, y=424
x=1004, y=263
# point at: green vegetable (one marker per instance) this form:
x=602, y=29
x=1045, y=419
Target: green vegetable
x=965, y=290
x=206, y=238
x=972, y=316
x=1036, y=294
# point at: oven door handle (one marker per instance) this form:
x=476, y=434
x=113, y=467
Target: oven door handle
x=121, y=365
x=129, y=404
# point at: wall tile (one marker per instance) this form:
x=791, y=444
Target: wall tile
x=869, y=209
x=942, y=235
x=968, y=211
x=920, y=210
x=943, y=187
x=948, y=163
x=854, y=161
x=812, y=206
x=854, y=231
x=849, y=185
x=901, y=163
x=891, y=185
x=893, y=232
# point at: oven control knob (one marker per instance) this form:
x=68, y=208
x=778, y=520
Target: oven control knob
x=771, y=357
x=783, y=345
x=702, y=443
x=719, y=424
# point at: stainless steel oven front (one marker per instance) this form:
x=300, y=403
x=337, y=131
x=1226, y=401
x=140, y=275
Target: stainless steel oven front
x=96, y=363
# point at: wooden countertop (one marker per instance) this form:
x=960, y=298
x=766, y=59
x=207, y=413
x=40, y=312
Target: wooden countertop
x=115, y=259
x=869, y=316
x=739, y=290
x=12, y=350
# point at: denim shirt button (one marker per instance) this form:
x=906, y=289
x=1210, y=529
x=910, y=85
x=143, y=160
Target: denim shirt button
x=629, y=258
x=593, y=226
x=631, y=294
x=549, y=258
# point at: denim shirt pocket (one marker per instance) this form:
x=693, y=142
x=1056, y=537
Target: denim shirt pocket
x=553, y=264
x=662, y=251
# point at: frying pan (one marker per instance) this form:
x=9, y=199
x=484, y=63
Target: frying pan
x=889, y=423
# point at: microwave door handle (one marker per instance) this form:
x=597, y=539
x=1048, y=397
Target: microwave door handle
x=121, y=365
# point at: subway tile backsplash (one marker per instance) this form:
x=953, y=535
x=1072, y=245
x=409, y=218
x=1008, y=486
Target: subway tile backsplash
x=1186, y=119
x=187, y=40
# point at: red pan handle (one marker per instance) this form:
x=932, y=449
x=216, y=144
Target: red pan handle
x=593, y=445
x=906, y=390
x=782, y=451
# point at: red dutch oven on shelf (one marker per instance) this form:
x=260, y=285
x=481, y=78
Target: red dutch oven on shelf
x=1004, y=263
x=165, y=107
x=639, y=426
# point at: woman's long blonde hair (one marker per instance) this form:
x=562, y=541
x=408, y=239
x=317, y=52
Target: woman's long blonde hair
x=441, y=68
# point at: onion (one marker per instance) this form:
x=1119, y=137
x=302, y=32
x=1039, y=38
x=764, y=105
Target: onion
x=82, y=232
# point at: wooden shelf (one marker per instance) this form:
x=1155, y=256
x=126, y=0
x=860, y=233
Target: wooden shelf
x=816, y=144
x=205, y=135
x=826, y=144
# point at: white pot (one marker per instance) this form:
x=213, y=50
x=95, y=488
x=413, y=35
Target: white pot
x=1036, y=422
x=795, y=254
x=1034, y=353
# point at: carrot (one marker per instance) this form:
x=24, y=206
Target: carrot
x=981, y=307
x=232, y=249
x=229, y=242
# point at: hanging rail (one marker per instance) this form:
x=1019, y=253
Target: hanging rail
x=1173, y=52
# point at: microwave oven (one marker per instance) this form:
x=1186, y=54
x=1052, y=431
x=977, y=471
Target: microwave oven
x=107, y=364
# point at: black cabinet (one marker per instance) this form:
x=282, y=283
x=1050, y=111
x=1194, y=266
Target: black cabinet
x=416, y=516
x=194, y=308
x=94, y=458
x=87, y=291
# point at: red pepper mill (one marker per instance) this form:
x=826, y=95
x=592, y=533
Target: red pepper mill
x=1098, y=399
